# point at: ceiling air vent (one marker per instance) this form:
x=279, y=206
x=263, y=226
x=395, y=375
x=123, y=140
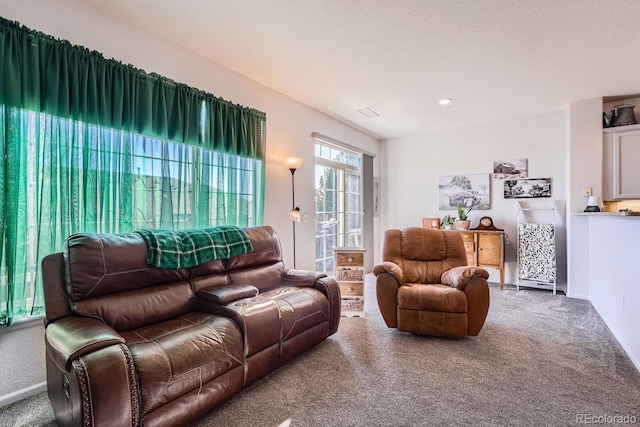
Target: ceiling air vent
x=367, y=112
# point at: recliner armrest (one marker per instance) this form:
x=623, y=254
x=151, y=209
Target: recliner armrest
x=301, y=277
x=458, y=277
x=72, y=337
x=225, y=294
x=391, y=268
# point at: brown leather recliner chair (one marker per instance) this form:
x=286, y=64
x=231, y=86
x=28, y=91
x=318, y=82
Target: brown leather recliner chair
x=424, y=285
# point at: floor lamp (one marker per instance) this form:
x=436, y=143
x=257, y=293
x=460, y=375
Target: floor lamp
x=293, y=163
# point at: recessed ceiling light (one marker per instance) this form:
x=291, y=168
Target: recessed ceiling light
x=445, y=101
x=367, y=112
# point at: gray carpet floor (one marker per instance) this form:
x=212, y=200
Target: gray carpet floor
x=540, y=360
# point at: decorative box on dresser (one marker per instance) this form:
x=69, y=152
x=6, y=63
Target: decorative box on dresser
x=485, y=248
x=349, y=273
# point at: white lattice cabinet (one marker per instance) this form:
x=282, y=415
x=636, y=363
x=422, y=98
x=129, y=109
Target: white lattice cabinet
x=349, y=273
x=537, y=248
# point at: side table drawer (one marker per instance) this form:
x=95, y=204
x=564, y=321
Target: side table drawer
x=467, y=237
x=351, y=289
x=349, y=259
x=470, y=246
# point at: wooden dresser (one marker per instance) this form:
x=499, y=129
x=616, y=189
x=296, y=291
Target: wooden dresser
x=485, y=249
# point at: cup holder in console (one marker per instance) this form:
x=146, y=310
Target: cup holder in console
x=249, y=301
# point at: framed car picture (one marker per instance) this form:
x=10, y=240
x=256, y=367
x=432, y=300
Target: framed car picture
x=468, y=191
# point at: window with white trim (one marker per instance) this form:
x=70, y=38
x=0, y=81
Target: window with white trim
x=339, y=212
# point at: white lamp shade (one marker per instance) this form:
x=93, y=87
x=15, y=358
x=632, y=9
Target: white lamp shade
x=594, y=201
x=294, y=214
x=292, y=162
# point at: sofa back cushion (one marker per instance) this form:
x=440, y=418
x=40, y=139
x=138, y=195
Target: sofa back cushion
x=107, y=277
x=124, y=311
x=266, y=249
x=264, y=277
x=262, y=267
x=102, y=264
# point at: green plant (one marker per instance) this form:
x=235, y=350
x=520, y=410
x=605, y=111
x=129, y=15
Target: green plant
x=462, y=215
x=447, y=220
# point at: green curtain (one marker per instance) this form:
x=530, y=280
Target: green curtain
x=92, y=145
x=40, y=73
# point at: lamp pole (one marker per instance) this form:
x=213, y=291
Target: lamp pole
x=293, y=207
x=293, y=163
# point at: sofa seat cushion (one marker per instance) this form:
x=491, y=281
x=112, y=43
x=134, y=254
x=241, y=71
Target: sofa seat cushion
x=431, y=297
x=300, y=309
x=179, y=355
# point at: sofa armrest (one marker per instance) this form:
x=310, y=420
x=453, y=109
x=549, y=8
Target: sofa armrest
x=391, y=268
x=301, y=277
x=458, y=277
x=327, y=285
x=225, y=294
x=389, y=278
x=95, y=383
x=72, y=337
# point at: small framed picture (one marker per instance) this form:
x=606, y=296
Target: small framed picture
x=527, y=188
x=510, y=169
x=431, y=222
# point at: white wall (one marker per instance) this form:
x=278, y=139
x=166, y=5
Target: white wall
x=584, y=170
x=411, y=167
x=23, y=368
x=289, y=126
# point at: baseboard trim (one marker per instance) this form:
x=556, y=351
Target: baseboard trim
x=14, y=396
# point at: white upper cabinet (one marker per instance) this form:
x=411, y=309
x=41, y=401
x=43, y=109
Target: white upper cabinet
x=621, y=163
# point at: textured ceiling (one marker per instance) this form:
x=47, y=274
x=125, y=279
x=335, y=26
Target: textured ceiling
x=497, y=59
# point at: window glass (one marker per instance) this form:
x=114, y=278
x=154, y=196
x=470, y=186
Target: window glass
x=66, y=177
x=338, y=197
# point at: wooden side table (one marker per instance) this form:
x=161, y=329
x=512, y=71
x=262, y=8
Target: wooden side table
x=349, y=273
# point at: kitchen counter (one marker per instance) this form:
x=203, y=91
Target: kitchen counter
x=605, y=259
x=634, y=214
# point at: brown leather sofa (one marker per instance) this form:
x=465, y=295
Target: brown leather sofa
x=128, y=344
x=424, y=285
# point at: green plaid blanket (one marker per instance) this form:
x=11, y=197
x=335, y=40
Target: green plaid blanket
x=188, y=248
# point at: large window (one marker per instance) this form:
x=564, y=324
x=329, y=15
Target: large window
x=63, y=177
x=339, y=213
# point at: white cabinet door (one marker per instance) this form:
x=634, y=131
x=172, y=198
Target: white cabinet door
x=622, y=165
